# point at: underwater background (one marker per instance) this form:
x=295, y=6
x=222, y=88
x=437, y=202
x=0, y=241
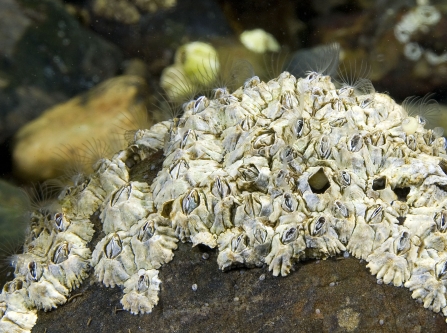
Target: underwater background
x=76, y=75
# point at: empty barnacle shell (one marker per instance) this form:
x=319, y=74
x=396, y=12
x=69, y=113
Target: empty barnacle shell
x=113, y=247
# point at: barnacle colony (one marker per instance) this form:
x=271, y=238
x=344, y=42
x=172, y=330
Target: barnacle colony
x=274, y=173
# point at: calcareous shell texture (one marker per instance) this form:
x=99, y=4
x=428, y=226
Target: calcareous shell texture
x=272, y=174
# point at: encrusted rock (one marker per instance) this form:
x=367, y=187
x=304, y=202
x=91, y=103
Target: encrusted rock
x=272, y=174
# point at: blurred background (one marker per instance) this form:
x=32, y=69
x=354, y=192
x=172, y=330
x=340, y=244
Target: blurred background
x=76, y=75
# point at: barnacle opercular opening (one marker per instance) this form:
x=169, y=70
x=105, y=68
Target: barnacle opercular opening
x=379, y=183
x=319, y=182
x=401, y=192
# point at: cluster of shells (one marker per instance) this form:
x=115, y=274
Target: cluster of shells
x=270, y=174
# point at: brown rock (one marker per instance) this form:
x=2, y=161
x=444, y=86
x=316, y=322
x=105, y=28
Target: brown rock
x=45, y=146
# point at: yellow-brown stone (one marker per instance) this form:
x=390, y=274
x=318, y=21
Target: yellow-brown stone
x=45, y=146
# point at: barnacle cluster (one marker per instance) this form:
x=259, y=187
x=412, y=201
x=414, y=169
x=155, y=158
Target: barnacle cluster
x=271, y=174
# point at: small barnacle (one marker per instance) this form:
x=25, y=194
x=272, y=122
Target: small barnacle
x=324, y=147
x=61, y=253
x=411, y=142
x=200, y=104
x=441, y=269
x=264, y=140
x=190, y=202
x=33, y=271
x=340, y=209
x=344, y=178
x=122, y=195
x=220, y=188
x=60, y=222
x=141, y=291
x=339, y=122
x=356, y=142
x=239, y=243
x=374, y=214
x=289, y=235
x=366, y=102
x=298, y=127
x=317, y=226
x=431, y=135
x=289, y=204
x=113, y=247
x=260, y=235
x=377, y=138
x=189, y=137
x=179, y=169
x=402, y=243
x=146, y=231
x=440, y=219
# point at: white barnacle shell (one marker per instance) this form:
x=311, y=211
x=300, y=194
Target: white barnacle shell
x=141, y=291
x=17, y=313
x=85, y=199
x=234, y=248
x=428, y=284
x=46, y=292
x=112, y=174
x=113, y=260
x=153, y=242
x=126, y=206
x=288, y=245
x=69, y=263
x=393, y=260
x=321, y=239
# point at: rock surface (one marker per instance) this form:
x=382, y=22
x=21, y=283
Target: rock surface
x=46, y=57
x=326, y=296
